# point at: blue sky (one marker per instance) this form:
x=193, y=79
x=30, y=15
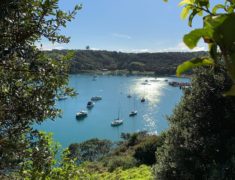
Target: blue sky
x=126, y=25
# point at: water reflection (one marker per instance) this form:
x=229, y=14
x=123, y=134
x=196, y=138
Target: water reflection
x=149, y=88
x=152, y=90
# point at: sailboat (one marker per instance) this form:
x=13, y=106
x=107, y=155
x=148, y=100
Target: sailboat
x=117, y=121
x=134, y=112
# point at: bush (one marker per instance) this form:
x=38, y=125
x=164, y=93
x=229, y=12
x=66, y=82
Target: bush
x=200, y=141
x=145, y=152
x=124, y=162
x=90, y=150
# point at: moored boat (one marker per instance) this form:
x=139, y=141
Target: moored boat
x=133, y=113
x=96, y=98
x=117, y=122
x=81, y=114
x=90, y=104
x=129, y=96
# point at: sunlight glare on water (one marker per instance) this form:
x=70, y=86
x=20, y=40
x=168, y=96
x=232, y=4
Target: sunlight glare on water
x=152, y=90
x=149, y=88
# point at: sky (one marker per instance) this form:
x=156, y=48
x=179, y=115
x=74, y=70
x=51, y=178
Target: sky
x=127, y=26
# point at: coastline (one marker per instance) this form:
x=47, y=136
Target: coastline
x=128, y=73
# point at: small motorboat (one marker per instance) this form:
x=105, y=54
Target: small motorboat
x=96, y=98
x=129, y=96
x=81, y=114
x=133, y=113
x=90, y=104
x=117, y=122
x=143, y=100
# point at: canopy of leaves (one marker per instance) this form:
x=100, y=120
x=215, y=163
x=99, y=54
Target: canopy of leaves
x=29, y=79
x=200, y=141
x=217, y=31
x=90, y=150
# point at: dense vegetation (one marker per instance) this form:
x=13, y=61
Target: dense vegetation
x=199, y=143
x=29, y=79
x=161, y=63
x=115, y=163
x=134, y=150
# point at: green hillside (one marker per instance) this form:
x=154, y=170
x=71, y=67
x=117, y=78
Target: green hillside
x=161, y=63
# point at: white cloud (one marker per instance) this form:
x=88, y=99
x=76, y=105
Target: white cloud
x=181, y=47
x=140, y=50
x=95, y=49
x=50, y=46
x=135, y=50
x=123, y=36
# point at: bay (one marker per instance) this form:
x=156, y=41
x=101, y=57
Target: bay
x=160, y=102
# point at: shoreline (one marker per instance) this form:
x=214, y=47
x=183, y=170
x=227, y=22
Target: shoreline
x=127, y=73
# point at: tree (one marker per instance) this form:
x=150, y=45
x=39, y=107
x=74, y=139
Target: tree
x=29, y=79
x=90, y=150
x=200, y=141
x=145, y=151
x=87, y=47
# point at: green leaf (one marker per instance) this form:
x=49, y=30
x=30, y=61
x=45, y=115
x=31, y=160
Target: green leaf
x=196, y=62
x=223, y=28
x=185, y=12
x=218, y=6
x=186, y=2
x=191, y=39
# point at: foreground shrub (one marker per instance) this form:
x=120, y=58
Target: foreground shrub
x=200, y=141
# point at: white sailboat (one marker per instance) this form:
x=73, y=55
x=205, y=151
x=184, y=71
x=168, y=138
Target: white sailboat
x=117, y=121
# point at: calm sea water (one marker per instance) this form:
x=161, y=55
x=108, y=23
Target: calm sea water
x=160, y=101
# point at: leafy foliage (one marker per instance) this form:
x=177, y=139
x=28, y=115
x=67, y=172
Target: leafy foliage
x=90, y=150
x=40, y=157
x=192, y=64
x=217, y=31
x=42, y=164
x=142, y=172
x=29, y=79
x=199, y=142
x=145, y=152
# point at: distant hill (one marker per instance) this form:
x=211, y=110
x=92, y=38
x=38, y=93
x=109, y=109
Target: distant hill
x=161, y=63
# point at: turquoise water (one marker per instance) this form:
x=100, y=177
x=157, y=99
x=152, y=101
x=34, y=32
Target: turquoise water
x=160, y=101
